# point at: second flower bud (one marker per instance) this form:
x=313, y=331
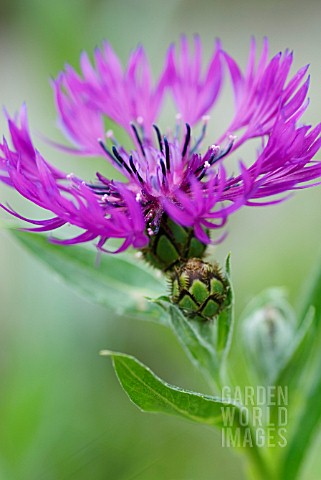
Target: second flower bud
x=199, y=289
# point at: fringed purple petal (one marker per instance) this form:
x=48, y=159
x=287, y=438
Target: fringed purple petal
x=166, y=173
x=70, y=199
x=284, y=164
x=194, y=93
x=262, y=92
x=82, y=124
x=123, y=96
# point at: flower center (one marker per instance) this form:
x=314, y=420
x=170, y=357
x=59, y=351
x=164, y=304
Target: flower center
x=159, y=172
x=163, y=167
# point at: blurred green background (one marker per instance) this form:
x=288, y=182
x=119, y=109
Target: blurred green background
x=62, y=413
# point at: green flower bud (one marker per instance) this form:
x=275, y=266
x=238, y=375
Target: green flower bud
x=199, y=289
x=268, y=332
x=172, y=245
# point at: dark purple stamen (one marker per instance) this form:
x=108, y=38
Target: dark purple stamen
x=212, y=160
x=134, y=169
x=201, y=175
x=167, y=156
x=162, y=164
x=159, y=137
x=201, y=167
x=132, y=165
x=140, y=143
x=108, y=152
x=221, y=155
x=99, y=189
x=187, y=139
x=121, y=160
x=103, y=190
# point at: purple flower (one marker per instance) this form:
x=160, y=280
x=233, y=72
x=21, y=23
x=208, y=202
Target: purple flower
x=168, y=175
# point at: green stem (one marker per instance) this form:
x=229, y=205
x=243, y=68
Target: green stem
x=258, y=466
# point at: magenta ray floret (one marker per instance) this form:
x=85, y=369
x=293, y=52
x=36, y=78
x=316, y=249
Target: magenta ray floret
x=168, y=174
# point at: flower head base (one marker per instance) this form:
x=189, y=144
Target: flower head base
x=172, y=245
x=199, y=289
x=176, y=189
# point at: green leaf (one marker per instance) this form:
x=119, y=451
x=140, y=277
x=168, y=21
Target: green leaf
x=307, y=350
x=311, y=294
x=293, y=377
x=120, y=282
x=225, y=320
x=151, y=394
x=197, y=347
x=306, y=426
x=297, y=355
x=302, y=374
x=292, y=363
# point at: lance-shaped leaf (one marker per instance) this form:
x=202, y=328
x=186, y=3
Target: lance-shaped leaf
x=297, y=357
x=307, y=423
x=301, y=374
x=225, y=320
x=311, y=294
x=120, y=282
x=197, y=346
x=151, y=394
